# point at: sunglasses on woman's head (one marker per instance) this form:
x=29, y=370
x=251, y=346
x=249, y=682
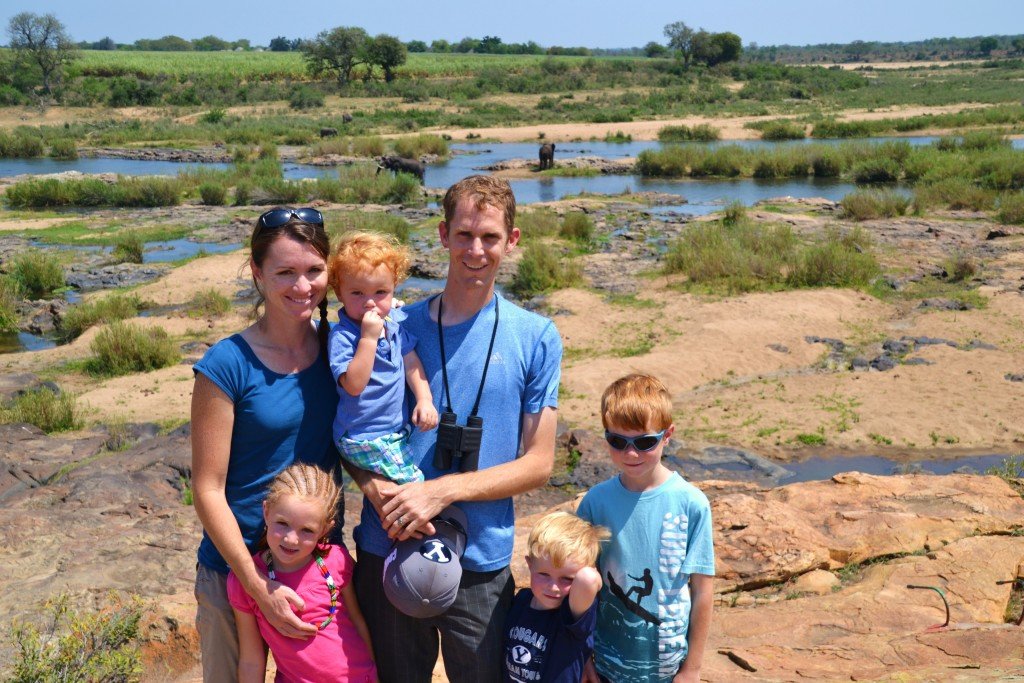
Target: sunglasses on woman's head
x=275, y=218
x=642, y=443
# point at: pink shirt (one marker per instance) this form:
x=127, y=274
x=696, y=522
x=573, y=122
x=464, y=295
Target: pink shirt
x=337, y=653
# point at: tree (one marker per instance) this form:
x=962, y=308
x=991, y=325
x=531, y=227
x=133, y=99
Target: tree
x=337, y=52
x=280, y=44
x=490, y=45
x=388, y=53
x=728, y=47
x=104, y=44
x=986, y=45
x=1018, y=45
x=441, y=45
x=680, y=37
x=42, y=42
x=211, y=44
x=653, y=49
x=416, y=46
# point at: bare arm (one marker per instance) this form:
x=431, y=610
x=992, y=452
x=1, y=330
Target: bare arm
x=213, y=416
x=357, y=376
x=701, y=603
x=417, y=503
x=348, y=597
x=585, y=587
x=252, y=651
x=424, y=415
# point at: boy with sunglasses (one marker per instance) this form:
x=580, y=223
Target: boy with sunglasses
x=658, y=568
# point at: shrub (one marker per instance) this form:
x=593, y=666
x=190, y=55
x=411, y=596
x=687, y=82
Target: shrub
x=10, y=293
x=63, y=150
x=866, y=205
x=727, y=162
x=417, y=146
x=136, y=192
x=20, y=146
x=618, y=137
x=128, y=248
x=80, y=647
x=51, y=411
x=702, y=132
x=953, y=193
x=208, y=302
x=541, y=269
x=341, y=223
x=304, y=97
x=577, y=226
x=81, y=317
x=738, y=258
x=538, y=223
x=961, y=267
x=837, y=261
x=876, y=171
x=368, y=146
x=734, y=214
x=783, y=130
x=828, y=164
x=830, y=128
x=243, y=193
x=38, y=273
x=213, y=194
x=1011, y=208
x=215, y=115
x=123, y=348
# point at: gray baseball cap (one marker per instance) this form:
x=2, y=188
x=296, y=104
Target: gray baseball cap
x=421, y=576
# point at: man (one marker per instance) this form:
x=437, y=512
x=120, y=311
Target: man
x=510, y=358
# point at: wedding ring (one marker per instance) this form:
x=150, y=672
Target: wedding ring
x=400, y=520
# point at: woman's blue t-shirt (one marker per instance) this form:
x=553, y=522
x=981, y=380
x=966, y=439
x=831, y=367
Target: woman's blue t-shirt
x=279, y=419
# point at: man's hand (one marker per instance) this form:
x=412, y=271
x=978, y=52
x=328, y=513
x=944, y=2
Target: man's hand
x=371, y=326
x=279, y=605
x=424, y=416
x=408, y=512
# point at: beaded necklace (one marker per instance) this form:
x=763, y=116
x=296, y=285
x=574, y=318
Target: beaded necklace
x=331, y=588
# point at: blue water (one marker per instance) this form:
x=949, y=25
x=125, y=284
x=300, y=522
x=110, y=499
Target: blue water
x=703, y=196
x=164, y=251
x=11, y=342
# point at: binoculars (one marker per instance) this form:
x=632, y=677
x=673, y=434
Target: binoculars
x=458, y=441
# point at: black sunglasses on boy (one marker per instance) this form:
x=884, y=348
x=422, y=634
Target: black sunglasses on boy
x=275, y=218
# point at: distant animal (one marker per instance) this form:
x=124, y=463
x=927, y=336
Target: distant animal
x=547, y=155
x=401, y=165
x=346, y=117
x=328, y=132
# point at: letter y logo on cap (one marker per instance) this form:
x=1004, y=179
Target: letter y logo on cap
x=436, y=551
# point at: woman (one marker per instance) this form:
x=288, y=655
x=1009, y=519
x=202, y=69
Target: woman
x=263, y=398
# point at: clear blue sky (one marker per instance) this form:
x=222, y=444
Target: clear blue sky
x=590, y=23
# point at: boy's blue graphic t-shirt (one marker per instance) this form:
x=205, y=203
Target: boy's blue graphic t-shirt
x=546, y=645
x=522, y=377
x=659, y=537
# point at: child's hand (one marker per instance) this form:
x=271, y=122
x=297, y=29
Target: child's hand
x=424, y=416
x=372, y=325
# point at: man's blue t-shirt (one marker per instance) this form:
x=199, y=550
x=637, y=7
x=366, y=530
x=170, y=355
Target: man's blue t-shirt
x=380, y=408
x=658, y=538
x=279, y=419
x=522, y=378
x=546, y=645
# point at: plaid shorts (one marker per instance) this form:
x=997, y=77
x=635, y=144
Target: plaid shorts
x=388, y=455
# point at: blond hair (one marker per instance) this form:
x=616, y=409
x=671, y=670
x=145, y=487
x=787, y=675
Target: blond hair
x=311, y=483
x=363, y=252
x=485, y=190
x=562, y=537
x=636, y=402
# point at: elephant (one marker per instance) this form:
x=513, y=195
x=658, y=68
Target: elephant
x=547, y=155
x=401, y=165
x=346, y=117
x=328, y=132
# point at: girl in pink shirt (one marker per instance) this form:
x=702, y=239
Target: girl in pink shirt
x=299, y=513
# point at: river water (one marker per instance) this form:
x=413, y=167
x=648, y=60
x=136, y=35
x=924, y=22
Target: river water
x=702, y=196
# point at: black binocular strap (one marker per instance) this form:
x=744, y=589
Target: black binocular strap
x=444, y=359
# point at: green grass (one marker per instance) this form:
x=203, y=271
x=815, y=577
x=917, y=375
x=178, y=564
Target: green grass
x=783, y=130
x=811, y=439
x=577, y=226
x=128, y=248
x=10, y=295
x=539, y=222
x=208, y=303
x=123, y=348
x=541, y=269
x=131, y=192
x=38, y=273
x=701, y=132
x=113, y=307
x=340, y=222
x=864, y=205
x=50, y=411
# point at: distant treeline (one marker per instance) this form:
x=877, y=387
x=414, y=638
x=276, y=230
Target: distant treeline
x=486, y=45
x=932, y=49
